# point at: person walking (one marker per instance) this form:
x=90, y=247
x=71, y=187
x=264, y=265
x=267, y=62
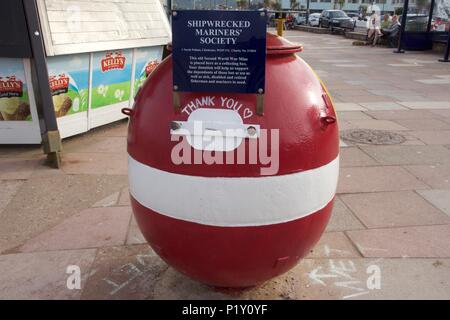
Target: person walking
x=374, y=28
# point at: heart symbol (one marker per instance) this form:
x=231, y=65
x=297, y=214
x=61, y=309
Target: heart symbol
x=247, y=113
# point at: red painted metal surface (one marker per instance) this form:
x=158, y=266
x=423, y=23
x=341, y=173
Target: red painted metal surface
x=297, y=104
x=230, y=257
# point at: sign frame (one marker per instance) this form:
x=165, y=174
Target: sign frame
x=206, y=61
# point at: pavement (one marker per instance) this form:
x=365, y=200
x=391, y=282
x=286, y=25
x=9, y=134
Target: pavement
x=388, y=238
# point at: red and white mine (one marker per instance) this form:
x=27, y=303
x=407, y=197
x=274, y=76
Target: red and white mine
x=235, y=223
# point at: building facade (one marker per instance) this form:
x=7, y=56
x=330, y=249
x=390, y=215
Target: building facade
x=442, y=7
x=347, y=5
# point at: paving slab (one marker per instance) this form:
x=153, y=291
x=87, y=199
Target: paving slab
x=342, y=218
x=354, y=157
x=411, y=140
x=403, y=97
x=363, y=81
x=43, y=275
x=124, y=199
x=436, y=176
x=43, y=170
x=345, y=125
x=134, y=235
x=42, y=203
x=109, y=201
x=426, y=104
x=173, y=285
x=433, y=137
x=21, y=151
x=382, y=105
x=342, y=279
x=356, y=279
x=395, y=93
x=8, y=189
x=368, y=98
x=95, y=163
x=439, y=198
x=343, y=144
x=401, y=114
x=417, y=242
x=435, y=81
x=439, y=96
x=377, y=125
x=16, y=168
x=378, y=86
x=441, y=113
x=378, y=178
x=90, y=228
x=406, y=155
x=348, y=91
x=393, y=209
x=116, y=129
x=352, y=115
x=340, y=106
x=96, y=144
x=125, y=272
x=351, y=65
x=335, y=60
x=423, y=124
x=334, y=245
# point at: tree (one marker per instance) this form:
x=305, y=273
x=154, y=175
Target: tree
x=242, y=4
x=276, y=5
x=422, y=5
x=398, y=11
x=363, y=10
x=272, y=4
x=341, y=3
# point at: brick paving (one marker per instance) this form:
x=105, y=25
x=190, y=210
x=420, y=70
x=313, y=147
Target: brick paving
x=392, y=212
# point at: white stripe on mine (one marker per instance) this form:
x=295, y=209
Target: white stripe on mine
x=228, y=202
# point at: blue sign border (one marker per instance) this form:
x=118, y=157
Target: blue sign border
x=187, y=51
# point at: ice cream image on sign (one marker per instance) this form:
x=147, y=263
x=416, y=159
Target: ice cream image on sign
x=14, y=105
x=59, y=86
x=69, y=81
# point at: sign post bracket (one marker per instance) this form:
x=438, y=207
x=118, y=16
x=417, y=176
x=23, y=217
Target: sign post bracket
x=176, y=99
x=260, y=104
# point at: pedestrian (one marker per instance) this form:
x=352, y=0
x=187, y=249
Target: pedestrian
x=386, y=21
x=289, y=23
x=393, y=32
x=374, y=28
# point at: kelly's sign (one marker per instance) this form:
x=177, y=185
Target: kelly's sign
x=219, y=51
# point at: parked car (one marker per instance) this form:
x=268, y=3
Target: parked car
x=300, y=19
x=313, y=19
x=440, y=24
x=336, y=19
x=416, y=22
x=353, y=15
x=362, y=22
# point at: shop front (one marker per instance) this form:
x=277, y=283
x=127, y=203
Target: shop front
x=97, y=54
